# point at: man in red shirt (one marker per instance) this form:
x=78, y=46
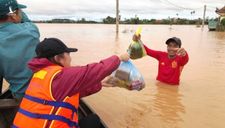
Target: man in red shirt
x=171, y=62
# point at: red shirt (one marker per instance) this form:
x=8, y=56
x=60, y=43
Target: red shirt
x=169, y=70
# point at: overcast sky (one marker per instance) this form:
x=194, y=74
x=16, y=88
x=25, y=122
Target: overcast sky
x=99, y=9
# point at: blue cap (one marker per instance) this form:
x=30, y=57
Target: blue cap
x=7, y=6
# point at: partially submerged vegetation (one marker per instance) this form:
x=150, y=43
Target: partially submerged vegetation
x=221, y=25
x=135, y=20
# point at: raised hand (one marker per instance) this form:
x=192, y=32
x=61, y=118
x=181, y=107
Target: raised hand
x=181, y=52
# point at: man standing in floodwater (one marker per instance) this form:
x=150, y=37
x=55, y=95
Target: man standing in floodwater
x=171, y=62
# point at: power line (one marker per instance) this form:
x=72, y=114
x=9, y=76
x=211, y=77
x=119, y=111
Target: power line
x=180, y=7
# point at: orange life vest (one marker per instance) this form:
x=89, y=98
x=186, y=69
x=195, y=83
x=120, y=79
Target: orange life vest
x=39, y=107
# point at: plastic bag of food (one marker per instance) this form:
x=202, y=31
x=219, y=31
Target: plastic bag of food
x=136, y=48
x=126, y=76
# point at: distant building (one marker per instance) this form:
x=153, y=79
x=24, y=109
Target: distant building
x=216, y=25
x=221, y=12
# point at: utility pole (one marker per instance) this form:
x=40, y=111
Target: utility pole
x=203, y=21
x=117, y=16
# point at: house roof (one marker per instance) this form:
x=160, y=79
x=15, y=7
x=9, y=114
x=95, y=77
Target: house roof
x=220, y=11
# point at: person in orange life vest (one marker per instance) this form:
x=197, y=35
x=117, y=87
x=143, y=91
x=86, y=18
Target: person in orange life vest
x=171, y=62
x=52, y=97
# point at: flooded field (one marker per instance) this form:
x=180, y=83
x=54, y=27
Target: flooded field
x=199, y=101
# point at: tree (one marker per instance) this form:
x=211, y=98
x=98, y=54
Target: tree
x=109, y=20
x=223, y=22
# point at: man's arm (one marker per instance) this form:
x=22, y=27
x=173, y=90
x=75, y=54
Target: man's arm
x=184, y=59
x=182, y=53
x=152, y=53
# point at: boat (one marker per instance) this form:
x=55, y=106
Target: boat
x=7, y=102
x=85, y=110
x=212, y=24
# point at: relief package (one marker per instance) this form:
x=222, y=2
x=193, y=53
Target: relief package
x=127, y=76
x=136, y=49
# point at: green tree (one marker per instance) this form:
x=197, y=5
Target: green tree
x=109, y=20
x=223, y=22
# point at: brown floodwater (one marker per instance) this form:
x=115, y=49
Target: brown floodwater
x=199, y=101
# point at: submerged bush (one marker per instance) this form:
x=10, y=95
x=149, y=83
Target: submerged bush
x=223, y=22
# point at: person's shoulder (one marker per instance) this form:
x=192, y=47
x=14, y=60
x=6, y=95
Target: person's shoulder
x=28, y=25
x=72, y=70
x=19, y=26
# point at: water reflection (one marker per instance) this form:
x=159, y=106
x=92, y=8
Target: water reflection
x=116, y=48
x=217, y=35
x=167, y=102
x=117, y=37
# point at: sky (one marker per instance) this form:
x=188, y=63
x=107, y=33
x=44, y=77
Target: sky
x=99, y=9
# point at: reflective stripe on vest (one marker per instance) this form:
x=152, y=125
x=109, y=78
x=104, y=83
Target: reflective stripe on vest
x=48, y=117
x=52, y=103
x=39, y=107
